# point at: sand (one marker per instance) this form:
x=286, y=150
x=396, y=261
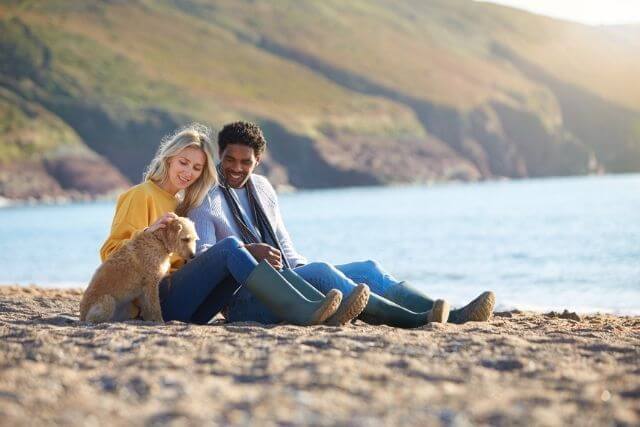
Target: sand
x=518, y=369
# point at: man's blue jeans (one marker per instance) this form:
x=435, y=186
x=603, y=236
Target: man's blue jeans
x=206, y=284
x=324, y=277
x=368, y=272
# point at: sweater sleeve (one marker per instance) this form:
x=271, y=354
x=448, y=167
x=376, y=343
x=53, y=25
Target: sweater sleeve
x=288, y=249
x=205, y=226
x=131, y=218
x=294, y=258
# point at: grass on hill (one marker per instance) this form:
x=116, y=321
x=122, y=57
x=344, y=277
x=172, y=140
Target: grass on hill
x=30, y=132
x=133, y=56
x=230, y=59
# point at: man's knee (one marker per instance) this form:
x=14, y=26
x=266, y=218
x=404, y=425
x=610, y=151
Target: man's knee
x=368, y=271
x=320, y=267
x=372, y=265
x=368, y=267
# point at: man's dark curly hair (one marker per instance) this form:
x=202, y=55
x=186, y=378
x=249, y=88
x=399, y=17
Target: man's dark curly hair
x=245, y=133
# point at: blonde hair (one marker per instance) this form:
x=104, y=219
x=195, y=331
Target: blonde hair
x=193, y=135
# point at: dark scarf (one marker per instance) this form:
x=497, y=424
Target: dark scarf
x=265, y=229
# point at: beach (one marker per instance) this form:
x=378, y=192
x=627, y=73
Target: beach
x=520, y=368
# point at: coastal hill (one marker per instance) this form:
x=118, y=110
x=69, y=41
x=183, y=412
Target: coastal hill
x=348, y=93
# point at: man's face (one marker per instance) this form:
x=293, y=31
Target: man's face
x=238, y=162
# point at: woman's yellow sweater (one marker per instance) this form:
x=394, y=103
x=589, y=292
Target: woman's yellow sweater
x=138, y=208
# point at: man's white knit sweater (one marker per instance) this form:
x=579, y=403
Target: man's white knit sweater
x=214, y=219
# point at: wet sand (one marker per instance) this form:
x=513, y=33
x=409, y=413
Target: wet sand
x=518, y=369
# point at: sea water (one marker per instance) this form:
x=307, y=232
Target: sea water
x=544, y=244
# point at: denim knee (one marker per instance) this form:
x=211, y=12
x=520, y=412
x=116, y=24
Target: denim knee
x=364, y=270
x=323, y=267
x=372, y=265
x=369, y=272
x=325, y=277
x=230, y=243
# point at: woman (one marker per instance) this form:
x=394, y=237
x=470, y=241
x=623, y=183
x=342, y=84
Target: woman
x=196, y=291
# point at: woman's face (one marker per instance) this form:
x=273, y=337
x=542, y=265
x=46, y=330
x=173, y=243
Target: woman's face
x=184, y=169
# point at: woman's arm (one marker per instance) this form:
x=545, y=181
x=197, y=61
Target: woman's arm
x=130, y=219
x=202, y=217
x=134, y=212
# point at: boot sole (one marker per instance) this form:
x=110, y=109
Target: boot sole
x=481, y=309
x=329, y=306
x=352, y=307
x=440, y=312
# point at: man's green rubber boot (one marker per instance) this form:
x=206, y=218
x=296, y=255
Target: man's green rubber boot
x=408, y=297
x=380, y=310
x=478, y=310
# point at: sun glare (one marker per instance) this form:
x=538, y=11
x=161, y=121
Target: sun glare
x=592, y=12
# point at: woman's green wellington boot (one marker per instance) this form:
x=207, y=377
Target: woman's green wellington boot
x=380, y=310
x=350, y=307
x=478, y=310
x=274, y=291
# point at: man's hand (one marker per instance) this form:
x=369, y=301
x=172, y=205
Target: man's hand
x=262, y=251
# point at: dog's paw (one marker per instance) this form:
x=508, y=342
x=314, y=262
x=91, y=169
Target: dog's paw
x=155, y=318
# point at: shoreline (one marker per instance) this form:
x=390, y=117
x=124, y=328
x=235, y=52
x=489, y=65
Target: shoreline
x=6, y=203
x=500, y=307
x=45, y=200
x=520, y=368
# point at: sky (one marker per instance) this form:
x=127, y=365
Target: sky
x=593, y=12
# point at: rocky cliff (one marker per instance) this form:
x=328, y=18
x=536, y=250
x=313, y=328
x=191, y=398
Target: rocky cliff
x=357, y=93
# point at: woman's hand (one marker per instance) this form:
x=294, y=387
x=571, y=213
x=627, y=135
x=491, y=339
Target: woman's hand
x=161, y=222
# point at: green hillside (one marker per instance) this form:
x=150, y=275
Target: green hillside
x=349, y=93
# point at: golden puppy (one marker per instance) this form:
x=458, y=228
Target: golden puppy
x=134, y=272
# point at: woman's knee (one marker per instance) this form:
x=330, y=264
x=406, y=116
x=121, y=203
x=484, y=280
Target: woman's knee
x=220, y=251
x=230, y=242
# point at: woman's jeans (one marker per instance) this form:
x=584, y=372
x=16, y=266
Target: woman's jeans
x=324, y=277
x=206, y=284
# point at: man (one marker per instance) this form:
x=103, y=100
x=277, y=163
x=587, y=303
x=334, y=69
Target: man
x=245, y=205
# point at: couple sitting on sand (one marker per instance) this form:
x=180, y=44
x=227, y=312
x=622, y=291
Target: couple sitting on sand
x=247, y=264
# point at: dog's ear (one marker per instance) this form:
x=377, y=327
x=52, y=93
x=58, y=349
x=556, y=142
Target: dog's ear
x=175, y=227
x=176, y=224
x=171, y=233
